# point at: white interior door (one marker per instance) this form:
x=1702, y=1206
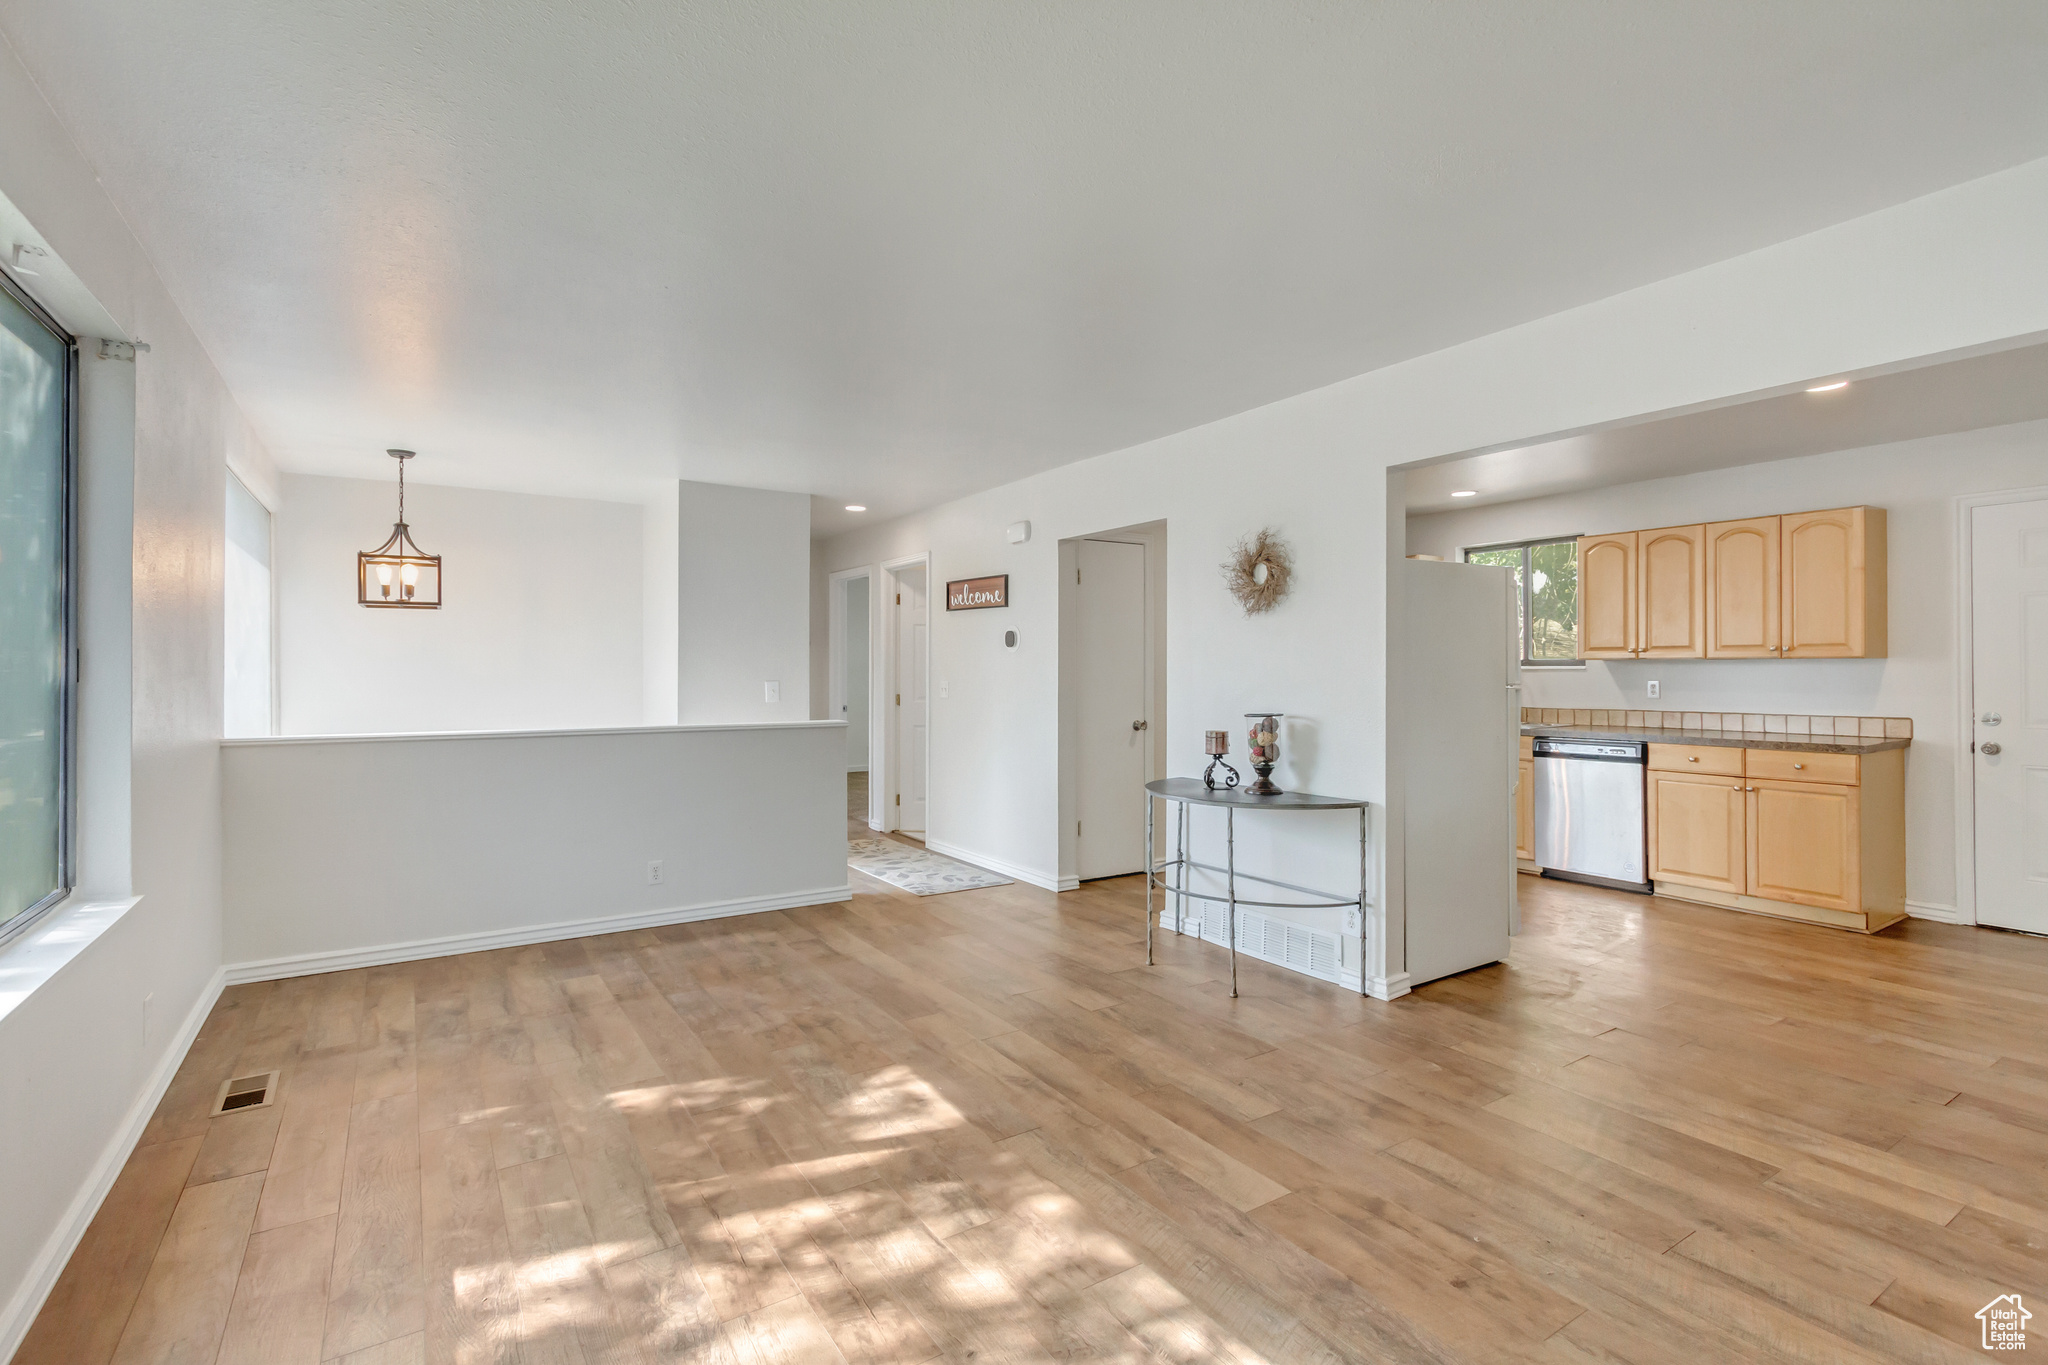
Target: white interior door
x=913, y=707
x=1111, y=720
x=2009, y=588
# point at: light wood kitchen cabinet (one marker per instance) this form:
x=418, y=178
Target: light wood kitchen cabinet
x=1812, y=836
x=1699, y=830
x=1802, y=843
x=1742, y=586
x=1832, y=584
x=1525, y=802
x=1671, y=593
x=1607, y=596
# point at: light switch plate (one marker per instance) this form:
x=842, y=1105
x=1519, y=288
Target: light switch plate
x=771, y=691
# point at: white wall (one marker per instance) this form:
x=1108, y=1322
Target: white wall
x=541, y=626
x=659, y=604
x=341, y=852
x=1963, y=268
x=744, y=604
x=105, y=1030
x=1916, y=483
x=857, y=672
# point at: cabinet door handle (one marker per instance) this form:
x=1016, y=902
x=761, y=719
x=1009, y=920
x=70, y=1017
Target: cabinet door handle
x=1797, y=766
x=1692, y=758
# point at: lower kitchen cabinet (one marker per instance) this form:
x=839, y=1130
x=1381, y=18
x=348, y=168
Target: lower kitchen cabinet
x=1698, y=830
x=1803, y=844
x=1820, y=837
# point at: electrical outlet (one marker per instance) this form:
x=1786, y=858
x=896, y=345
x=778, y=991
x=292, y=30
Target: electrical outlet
x=654, y=872
x=1354, y=922
x=771, y=691
x=945, y=688
x=1656, y=690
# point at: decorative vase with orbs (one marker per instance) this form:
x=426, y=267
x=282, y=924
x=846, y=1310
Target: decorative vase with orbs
x=1265, y=750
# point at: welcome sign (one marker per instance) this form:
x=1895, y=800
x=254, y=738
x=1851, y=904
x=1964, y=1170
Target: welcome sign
x=972, y=594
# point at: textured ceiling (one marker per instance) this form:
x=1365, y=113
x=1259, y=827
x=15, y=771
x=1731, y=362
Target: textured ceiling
x=891, y=253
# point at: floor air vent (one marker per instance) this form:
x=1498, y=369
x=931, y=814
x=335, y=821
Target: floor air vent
x=1310, y=951
x=246, y=1092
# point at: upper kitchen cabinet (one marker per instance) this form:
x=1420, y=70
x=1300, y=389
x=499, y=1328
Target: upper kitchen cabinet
x=1607, y=596
x=1742, y=588
x=1832, y=588
x=1670, y=591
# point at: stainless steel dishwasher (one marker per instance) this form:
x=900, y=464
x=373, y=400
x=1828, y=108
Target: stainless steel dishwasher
x=1589, y=811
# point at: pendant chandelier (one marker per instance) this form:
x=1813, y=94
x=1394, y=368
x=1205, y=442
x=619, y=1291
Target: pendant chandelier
x=396, y=574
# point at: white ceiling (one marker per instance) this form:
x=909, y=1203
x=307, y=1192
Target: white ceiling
x=894, y=252
x=1959, y=395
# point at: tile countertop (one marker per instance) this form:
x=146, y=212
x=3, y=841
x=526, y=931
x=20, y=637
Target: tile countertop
x=1725, y=739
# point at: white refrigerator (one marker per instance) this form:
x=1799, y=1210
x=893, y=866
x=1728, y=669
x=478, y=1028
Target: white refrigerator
x=1457, y=724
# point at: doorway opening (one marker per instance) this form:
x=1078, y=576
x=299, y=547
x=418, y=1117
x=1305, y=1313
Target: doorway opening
x=852, y=666
x=1112, y=697
x=904, y=753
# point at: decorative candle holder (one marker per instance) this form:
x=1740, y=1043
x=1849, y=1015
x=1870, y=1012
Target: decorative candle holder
x=1216, y=743
x=1265, y=750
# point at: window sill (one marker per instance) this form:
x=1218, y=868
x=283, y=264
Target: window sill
x=47, y=949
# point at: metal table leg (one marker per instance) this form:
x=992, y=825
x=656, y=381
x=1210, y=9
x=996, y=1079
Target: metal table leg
x=1363, y=875
x=1148, y=878
x=1230, y=870
x=1180, y=856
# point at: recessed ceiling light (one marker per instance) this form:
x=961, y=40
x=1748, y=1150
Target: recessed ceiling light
x=1466, y=493
x=855, y=507
x=1829, y=388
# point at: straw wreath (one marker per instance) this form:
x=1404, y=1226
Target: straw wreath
x=1254, y=591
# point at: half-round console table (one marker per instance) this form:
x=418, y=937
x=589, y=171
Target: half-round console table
x=1187, y=791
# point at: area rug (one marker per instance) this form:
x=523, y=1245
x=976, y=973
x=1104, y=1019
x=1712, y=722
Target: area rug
x=918, y=871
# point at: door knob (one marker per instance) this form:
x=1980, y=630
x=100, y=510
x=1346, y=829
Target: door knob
x=1140, y=725
x=1990, y=750
x=1993, y=718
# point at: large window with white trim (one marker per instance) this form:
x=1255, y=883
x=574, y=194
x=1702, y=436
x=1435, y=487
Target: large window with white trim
x=35, y=607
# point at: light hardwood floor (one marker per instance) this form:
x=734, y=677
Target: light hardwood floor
x=976, y=1127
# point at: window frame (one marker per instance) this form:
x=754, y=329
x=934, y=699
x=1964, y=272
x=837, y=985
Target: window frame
x=67, y=624
x=1527, y=603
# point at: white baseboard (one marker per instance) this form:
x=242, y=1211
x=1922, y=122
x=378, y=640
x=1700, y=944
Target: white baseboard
x=346, y=959
x=856, y=767
x=1947, y=914
x=1387, y=987
x=1011, y=870
x=20, y=1313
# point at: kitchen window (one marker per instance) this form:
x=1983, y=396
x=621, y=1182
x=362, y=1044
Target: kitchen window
x=35, y=606
x=1546, y=597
